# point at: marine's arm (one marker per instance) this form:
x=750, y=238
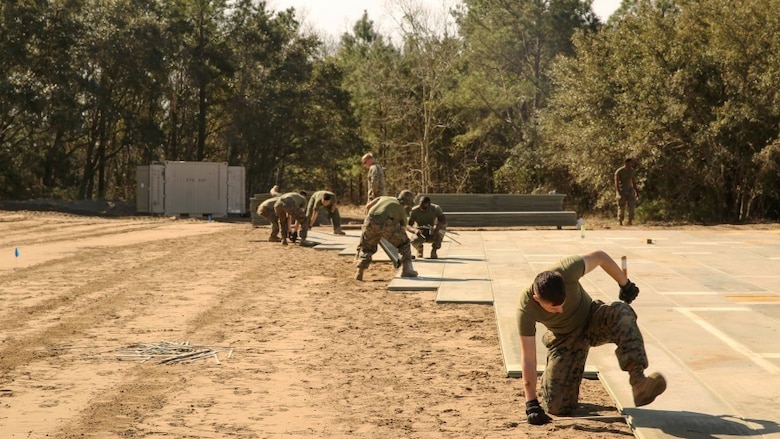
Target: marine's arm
x=310, y=209
x=598, y=258
x=371, y=204
x=410, y=224
x=528, y=355
x=441, y=223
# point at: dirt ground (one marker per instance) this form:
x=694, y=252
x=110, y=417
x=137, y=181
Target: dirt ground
x=306, y=350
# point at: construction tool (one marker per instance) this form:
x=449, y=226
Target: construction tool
x=446, y=233
x=391, y=250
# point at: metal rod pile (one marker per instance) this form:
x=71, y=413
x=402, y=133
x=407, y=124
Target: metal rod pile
x=171, y=352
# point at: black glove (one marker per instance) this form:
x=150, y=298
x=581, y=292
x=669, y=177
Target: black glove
x=536, y=414
x=628, y=292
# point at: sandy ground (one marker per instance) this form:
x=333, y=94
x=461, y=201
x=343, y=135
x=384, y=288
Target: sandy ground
x=308, y=351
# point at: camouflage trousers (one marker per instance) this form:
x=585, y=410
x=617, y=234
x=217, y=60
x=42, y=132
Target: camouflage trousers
x=286, y=210
x=434, y=238
x=268, y=213
x=374, y=229
x=566, y=355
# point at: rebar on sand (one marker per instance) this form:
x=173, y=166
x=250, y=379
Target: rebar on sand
x=171, y=352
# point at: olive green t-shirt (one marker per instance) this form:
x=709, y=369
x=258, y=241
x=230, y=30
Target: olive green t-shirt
x=297, y=198
x=576, y=307
x=624, y=177
x=425, y=217
x=268, y=203
x=315, y=202
x=389, y=207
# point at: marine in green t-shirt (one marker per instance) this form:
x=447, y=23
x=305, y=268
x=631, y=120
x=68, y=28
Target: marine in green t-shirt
x=386, y=219
x=266, y=210
x=431, y=225
x=575, y=323
x=324, y=200
x=627, y=192
x=291, y=210
x=576, y=303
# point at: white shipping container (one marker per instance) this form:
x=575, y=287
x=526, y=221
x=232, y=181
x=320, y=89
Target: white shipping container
x=196, y=188
x=191, y=188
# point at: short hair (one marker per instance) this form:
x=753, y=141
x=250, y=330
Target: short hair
x=327, y=196
x=425, y=200
x=303, y=193
x=550, y=287
x=629, y=160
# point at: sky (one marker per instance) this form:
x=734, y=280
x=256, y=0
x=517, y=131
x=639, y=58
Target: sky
x=334, y=17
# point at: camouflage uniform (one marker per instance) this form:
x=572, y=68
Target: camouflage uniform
x=387, y=218
x=266, y=210
x=291, y=204
x=584, y=323
x=376, y=181
x=566, y=355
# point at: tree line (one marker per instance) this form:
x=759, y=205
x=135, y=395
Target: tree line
x=519, y=96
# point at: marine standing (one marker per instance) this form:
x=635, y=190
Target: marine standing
x=377, y=186
x=627, y=192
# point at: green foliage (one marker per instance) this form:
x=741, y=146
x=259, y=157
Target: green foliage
x=509, y=50
x=683, y=87
x=529, y=96
x=90, y=89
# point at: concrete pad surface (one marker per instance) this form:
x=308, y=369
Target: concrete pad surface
x=465, y=291
x=709, y=309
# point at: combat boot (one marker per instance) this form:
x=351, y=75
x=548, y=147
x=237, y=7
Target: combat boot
x=434, y=255
x=419, y=252
x=338, y=231
x=359, y=273
x=408, y=270
x=274, y=238
x=647, y=388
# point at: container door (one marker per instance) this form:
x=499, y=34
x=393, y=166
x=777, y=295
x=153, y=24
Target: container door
x=157, y=189
x=142, y=189
x=236, y=190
